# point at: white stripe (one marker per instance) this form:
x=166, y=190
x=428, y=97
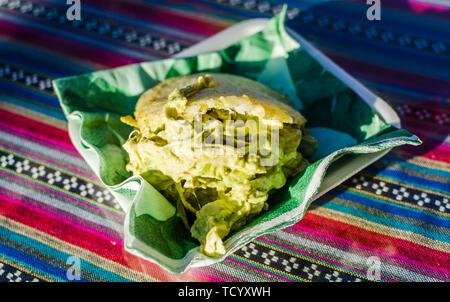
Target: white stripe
x=53, y=155
x=55, y=202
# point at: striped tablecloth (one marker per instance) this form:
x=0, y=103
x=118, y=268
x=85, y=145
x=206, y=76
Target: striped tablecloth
x=389, y=222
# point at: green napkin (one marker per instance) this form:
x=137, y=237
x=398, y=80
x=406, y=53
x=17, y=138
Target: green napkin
x=341, y=121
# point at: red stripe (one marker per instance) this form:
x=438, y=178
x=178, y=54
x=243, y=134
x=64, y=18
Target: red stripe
x=387, y=244
x=74, y=221
x=364, y=252
x=61, y=230
x=21, y=135
x=80, y=238
x=38, y=129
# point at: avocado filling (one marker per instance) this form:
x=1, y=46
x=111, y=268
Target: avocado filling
x=218, y=167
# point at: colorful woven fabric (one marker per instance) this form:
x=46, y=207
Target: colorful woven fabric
x=390, y=222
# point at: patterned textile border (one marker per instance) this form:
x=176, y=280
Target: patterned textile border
x=393, y=216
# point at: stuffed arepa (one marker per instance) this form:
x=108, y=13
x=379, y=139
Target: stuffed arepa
x=216, y=145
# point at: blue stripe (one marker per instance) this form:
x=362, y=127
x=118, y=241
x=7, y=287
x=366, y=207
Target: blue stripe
x=404, y=53
x=34, y=262
x=32, y=269
x=355, y=12
x=49, y=64
x=389, y=222
x=414, y=180
x=417, y=93
x=331, y=46
x=42, y=97
x=57, y=114
x=54, y=253
x=231, y=9
x=414, y=167
x=393, y=19
x=396, y=209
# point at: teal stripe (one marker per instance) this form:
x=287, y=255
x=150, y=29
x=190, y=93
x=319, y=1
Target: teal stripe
x=400, y=206
x=56, y=254
x=23, y=90
x=418, y=168
x=389, y=222
x=407, y=181
x=42, y=109
x=49, y=62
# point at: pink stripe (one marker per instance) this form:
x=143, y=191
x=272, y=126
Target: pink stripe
x=211, y=278
x=60, y=194
x=428, y=150
x=60, y=218
x=355, y=244
x=49, y=161
x=36, y=136
x=320, y=258
x=21, y=136
x=420, y=6
x=212, y=273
